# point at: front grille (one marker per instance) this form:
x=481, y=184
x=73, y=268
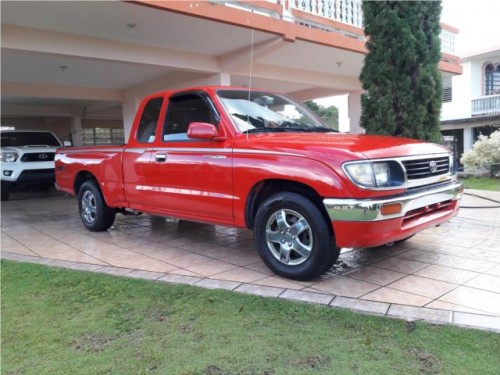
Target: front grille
x=39, y=156
x=427, y=210
x=423, y=168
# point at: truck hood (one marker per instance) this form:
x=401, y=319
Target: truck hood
x=29, y=149
x=340, y=147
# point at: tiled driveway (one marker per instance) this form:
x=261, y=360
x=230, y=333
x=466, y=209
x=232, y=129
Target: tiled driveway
x=447, y=274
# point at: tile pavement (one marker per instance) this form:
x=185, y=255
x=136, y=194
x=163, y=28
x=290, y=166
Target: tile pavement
x=446, y=275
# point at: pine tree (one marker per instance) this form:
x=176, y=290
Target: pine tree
x=401, y=79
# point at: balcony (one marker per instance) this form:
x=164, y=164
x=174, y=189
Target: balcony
x=339, y=16
x=486, y=106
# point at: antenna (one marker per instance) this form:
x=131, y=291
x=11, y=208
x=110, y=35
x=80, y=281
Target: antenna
x=251, y=66
x=250, y=74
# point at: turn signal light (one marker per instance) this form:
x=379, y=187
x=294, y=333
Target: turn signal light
x=390, y=209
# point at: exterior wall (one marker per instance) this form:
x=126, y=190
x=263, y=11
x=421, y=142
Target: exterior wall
x=476, y=77
x=460, y=106
x=458, y=116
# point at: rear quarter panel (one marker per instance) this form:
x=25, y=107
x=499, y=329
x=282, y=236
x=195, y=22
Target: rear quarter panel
x=104, y=163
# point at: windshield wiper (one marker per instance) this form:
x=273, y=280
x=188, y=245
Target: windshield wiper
x=267, y=130
x=298, y=126
x=320, y=129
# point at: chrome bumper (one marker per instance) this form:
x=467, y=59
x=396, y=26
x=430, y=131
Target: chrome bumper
x=369, y=209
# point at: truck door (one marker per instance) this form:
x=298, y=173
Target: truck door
x=192, y=178
x=137, y=168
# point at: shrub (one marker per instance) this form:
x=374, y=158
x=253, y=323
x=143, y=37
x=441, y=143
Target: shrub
x=484, y=152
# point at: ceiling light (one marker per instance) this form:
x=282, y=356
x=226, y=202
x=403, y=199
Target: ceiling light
x=131, y=27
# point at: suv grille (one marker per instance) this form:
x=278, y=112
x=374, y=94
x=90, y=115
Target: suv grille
x=39, y=156
x=423, y=168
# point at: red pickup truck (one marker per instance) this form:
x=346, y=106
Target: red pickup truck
x=259, y=160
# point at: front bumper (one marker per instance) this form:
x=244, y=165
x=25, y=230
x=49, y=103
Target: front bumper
x=28, y=172
x=362, y=222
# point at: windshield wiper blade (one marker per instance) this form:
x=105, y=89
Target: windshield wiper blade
x=291, y=130
x=321, y=130
x=266, y=130
x=297, y=126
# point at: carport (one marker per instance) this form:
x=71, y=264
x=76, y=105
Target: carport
x=78, y=68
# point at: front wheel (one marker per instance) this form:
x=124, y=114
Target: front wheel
x=293, y=237
x=96, y=215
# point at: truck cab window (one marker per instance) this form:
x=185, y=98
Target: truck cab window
x=146, y=130
x=183, y=110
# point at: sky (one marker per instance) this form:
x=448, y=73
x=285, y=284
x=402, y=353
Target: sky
x=478, y=22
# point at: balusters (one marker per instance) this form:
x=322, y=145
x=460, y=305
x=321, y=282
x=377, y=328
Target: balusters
x=349, y=12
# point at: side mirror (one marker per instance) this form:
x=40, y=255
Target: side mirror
x=67, y=144
x=202, y=130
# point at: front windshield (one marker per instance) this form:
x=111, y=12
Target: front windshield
x=258, y=111
x=14, y=139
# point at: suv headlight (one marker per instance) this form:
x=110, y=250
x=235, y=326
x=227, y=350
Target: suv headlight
x=9, y=157
x=377, y=174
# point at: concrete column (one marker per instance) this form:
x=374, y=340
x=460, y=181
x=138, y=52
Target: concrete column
x=220, y=79
x=129, y=108
x=468, y=138
x=76, y=131
x=354, y=110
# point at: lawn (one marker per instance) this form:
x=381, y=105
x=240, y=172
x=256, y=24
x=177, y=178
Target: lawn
x=482, y=183
x=57, y=321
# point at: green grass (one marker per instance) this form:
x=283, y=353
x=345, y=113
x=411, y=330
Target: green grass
x=57, y=321
x=482, y=183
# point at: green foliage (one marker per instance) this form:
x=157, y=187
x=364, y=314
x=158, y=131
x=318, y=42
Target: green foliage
x=329, y=114
x=402, y=83
x=57, y=321
x=484, y=152
x=482, y=183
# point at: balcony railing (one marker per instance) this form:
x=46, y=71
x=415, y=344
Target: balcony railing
x=339, y=16
x=345, y=11
x=486, y=106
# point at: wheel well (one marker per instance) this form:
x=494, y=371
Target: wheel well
x=265, y=189
x=80, y=178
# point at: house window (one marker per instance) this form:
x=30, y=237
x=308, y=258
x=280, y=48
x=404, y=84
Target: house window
x=103, y=136
x=492, y=79
x=447, y=91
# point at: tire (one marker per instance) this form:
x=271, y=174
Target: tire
x=94, y=212
x=5, y=191
x=293, y=237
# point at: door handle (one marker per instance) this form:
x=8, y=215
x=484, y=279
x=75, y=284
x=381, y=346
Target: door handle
x=161, y=157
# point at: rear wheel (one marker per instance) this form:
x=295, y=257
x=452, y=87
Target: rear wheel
x=293, y=237
x=96, y=215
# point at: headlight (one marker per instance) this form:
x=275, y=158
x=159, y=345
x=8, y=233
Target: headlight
x=361, y=173
x=379, y=174
x=9, y=157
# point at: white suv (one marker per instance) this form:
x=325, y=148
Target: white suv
x=27, y=158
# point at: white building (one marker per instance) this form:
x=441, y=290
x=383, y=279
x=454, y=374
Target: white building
x=471, y=101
